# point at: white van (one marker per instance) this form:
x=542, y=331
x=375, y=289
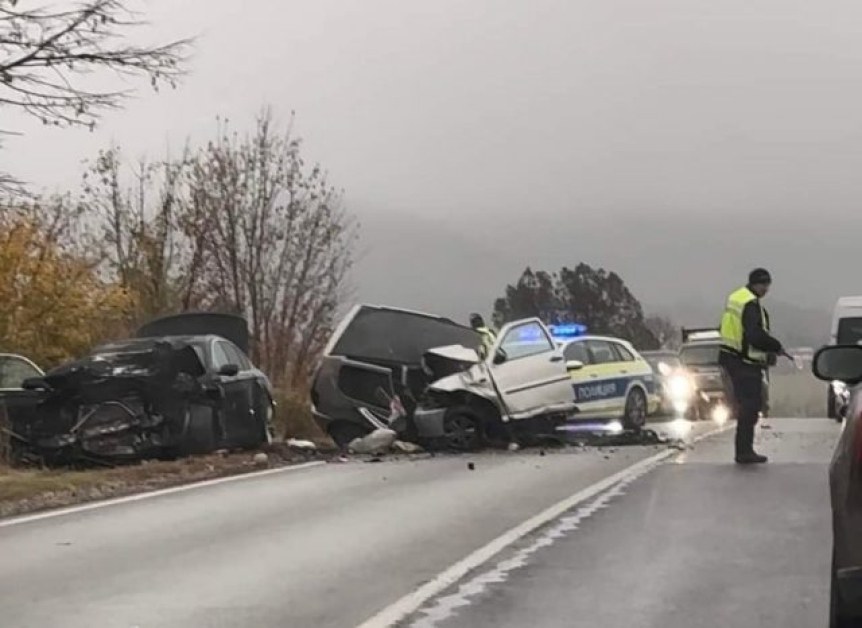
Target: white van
x=847, y=322
x=846, y=330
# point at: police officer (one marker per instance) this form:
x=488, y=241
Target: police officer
x=746, y=346
x=487, y=334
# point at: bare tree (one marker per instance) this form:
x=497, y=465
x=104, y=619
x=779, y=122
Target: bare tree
x=45, y=54
x=145, y=249
x=239, y=225
x=667, y=333
x=279, y=246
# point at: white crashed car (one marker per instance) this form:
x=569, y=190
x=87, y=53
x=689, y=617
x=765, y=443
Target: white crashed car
x=421, y=375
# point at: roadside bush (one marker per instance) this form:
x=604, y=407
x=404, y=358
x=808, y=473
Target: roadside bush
x=293, y=418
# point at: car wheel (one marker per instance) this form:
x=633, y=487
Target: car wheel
x=462, y=429
x=201, y=436
x=634, y=416
x=344, y=433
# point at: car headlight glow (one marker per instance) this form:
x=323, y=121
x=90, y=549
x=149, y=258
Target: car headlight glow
x=680, y=406
x=839, y=387
x=680, y=387
x=720, y=414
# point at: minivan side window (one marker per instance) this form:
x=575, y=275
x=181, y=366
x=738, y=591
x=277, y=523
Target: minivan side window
x=849, y=331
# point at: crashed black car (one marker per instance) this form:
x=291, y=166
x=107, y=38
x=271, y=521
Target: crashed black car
x=183, y=385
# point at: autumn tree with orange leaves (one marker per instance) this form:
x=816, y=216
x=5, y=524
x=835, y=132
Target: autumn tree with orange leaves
x=56, y=304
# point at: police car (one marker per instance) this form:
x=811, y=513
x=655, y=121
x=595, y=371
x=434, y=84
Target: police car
x=611, y=379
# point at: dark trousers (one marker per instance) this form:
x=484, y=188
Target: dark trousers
x=744, y=389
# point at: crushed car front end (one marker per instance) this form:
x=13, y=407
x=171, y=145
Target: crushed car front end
x=125, y=402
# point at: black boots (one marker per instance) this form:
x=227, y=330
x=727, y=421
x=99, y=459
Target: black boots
x=751, y=458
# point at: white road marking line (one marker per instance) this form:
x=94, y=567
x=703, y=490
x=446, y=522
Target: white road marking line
x=413, y=601
x=70, y=510
x=442, y=608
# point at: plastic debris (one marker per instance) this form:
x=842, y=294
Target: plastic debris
x=304, y=445
x=377, y=442
x=406, y=447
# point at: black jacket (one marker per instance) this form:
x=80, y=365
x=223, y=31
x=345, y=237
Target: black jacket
x=753, y=333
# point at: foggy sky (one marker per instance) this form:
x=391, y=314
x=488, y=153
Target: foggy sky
x=678, y=142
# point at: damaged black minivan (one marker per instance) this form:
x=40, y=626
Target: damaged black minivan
x=184, y=385
x=421, y=375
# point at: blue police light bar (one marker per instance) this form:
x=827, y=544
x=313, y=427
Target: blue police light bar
x=570, y=330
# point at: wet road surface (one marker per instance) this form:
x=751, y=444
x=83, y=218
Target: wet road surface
x=332, y=546
x=694, y=542
x=326, y=546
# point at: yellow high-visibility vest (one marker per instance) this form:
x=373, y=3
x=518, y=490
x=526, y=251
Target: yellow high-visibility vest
x=488, y=337
x=732, y=332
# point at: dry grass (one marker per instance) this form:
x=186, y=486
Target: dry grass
x=797, y=394
x=25, y=490
x=293, y=418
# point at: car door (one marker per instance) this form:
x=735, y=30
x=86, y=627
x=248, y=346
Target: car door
x=582, y=378
x=639, y=371
x=235, y=418
x=530, y=373
x=20, y=404
x=605, y=387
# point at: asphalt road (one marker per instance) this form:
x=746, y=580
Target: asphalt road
x=696, y=542
x=336, y=544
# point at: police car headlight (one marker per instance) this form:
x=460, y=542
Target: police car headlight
x=679, y=387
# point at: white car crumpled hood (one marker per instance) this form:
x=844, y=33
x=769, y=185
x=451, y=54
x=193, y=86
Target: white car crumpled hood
x=474, y=379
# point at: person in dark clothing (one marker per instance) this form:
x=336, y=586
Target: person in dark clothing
x=747, y=349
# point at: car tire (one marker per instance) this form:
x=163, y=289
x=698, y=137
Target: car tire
x=462, y=429
x=201, y=436
x=344, y=433
x=634, y=415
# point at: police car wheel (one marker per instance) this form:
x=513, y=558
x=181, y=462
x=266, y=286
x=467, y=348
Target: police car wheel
x=634, y=417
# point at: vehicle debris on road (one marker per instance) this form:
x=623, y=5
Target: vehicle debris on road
x=377, y=442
